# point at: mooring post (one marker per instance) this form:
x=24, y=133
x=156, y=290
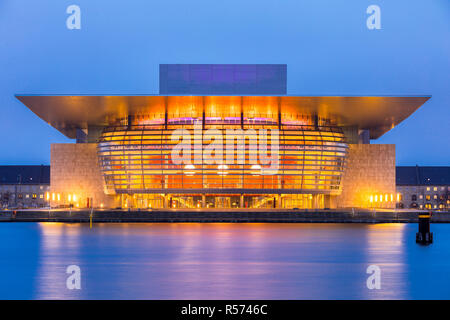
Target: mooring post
x=424, y=236
x=90, y=218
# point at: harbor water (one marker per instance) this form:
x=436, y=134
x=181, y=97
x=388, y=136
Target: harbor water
x=222, y=261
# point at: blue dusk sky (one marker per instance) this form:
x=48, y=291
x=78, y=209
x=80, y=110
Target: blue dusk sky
x=326, y=44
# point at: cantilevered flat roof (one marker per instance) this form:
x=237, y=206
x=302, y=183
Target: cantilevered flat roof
x=66, y=113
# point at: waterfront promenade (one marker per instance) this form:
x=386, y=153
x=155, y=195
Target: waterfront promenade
x=219, y=215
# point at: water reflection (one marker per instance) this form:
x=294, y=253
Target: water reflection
x=386, y=246
x=60, y=247
x=219, y=261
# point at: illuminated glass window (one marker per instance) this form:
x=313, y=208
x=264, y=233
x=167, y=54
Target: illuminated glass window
x=138, y=159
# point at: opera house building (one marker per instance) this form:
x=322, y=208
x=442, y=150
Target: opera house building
x=222, y=136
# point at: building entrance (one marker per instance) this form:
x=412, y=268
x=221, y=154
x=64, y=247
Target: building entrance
x=185, y=201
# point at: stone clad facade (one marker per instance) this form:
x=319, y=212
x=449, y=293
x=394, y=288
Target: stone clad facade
x=75, y=171
x=369, y=172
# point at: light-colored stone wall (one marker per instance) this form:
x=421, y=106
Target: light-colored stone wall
x=75, y=171
x=369, y=171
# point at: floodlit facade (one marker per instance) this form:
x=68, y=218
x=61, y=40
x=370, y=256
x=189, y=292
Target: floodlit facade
x=223, y=136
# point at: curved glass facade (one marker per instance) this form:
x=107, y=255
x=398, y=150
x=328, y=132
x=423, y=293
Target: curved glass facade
x=301, y=159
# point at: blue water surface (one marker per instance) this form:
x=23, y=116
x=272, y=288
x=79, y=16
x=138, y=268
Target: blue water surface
x=222, y=261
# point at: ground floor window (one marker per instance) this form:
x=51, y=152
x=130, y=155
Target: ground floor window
x=211, y=201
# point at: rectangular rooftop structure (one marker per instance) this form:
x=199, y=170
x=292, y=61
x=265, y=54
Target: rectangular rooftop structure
x=222, y=79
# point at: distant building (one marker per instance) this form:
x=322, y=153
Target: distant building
x=423, y=187
x=24, y=186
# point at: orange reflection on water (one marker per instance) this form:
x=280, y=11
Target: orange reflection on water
x=221, y=260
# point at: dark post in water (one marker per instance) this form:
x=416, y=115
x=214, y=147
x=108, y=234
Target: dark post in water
x=424, y=236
